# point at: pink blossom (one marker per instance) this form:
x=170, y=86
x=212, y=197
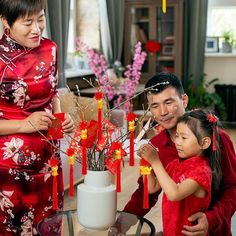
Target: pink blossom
x=132, y=73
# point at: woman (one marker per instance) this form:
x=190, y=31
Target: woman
x=28, y=100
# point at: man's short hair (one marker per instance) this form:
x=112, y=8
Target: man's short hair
x=163, y=80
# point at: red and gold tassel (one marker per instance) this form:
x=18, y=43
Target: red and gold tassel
x=118, y=170
x=131, y=121
x=98, y=97
x=71, y=154
x=84, y=150
x=54, y=167
x=145, y=170
x=83, y=132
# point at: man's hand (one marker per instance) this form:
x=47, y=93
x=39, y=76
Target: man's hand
x=200, y=229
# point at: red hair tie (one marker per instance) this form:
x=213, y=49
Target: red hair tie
x=212, y=119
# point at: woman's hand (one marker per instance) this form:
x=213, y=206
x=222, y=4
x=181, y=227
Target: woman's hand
x=39, y=120
x=149, y=153
x=68, y=124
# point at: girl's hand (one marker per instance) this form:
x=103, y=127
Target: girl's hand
x=149, y=153
x=39, y=120
x=68, y=124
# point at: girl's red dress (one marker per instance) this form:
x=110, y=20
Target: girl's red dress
x=28, y=79
x=175, y=213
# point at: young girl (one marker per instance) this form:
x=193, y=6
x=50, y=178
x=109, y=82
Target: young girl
x=188, y=182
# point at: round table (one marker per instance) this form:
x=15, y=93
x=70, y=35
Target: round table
x=126, y=224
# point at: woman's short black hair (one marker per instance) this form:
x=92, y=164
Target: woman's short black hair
x=161, y=81
x=11, y=10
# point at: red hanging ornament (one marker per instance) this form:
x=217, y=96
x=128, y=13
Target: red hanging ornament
x=152, y=46
x=84, y=136
x=98, y=97
x=131, y=126
x=71, y=154
x=118, y=175
x=54, y=168
x=145, y=170
x=115, y=166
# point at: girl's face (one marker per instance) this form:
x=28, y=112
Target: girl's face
x=186, y=142
x=27, y=31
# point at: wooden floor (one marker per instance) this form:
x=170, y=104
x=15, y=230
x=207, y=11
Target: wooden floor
x=129, y=184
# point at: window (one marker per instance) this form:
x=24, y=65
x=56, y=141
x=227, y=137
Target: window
x=221, y=18
x=84, y=23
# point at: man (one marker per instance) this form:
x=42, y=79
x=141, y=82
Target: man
x=167, y=102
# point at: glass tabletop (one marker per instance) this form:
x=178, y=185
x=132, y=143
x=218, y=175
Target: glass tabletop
x=126, y=224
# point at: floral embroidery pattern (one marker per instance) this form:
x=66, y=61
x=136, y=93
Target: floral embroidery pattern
x=46, y=170
x=40, y=69
x=18, y=174
x=5, y=202
x=14, y=150
x=15, y=92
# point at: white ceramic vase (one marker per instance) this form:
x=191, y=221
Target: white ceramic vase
x=97, y=201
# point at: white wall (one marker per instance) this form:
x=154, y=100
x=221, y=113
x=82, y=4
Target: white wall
x=221, y=2
x=222, y=67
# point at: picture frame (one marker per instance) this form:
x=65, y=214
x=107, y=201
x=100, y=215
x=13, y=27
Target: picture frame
x=212, y=44
x=168, y=49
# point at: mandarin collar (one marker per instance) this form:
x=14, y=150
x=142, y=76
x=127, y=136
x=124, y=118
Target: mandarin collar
x=12, y=44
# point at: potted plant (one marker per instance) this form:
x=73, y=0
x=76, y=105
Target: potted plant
x=200, y=96
x=227, y=41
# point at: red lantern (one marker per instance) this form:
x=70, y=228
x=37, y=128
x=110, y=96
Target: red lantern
x=152, y=46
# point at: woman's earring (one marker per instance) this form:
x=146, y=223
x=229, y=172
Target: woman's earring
x=7, y=31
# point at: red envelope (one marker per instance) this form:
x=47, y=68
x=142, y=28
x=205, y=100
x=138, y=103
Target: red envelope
x=55, y=131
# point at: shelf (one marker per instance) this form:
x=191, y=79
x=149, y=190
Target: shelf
x=165, y=58
x=144, y=20
x=167, y=29
x=220, y=54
